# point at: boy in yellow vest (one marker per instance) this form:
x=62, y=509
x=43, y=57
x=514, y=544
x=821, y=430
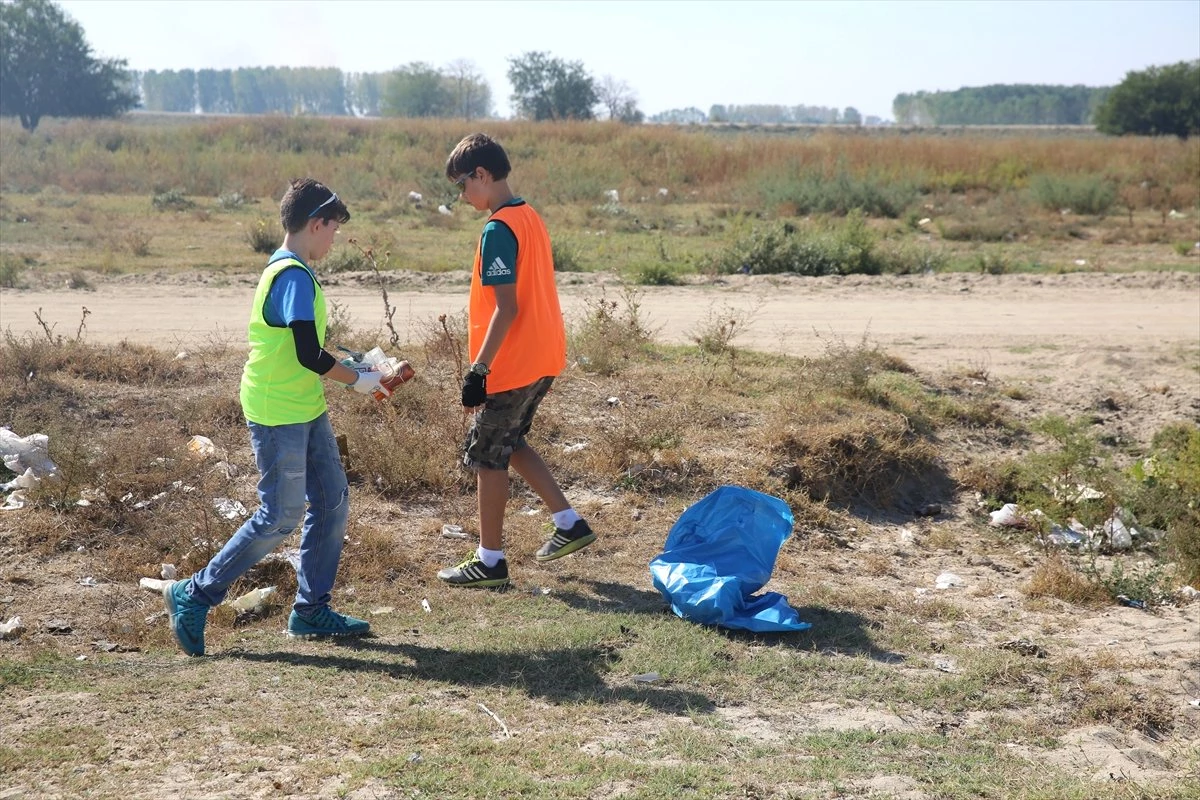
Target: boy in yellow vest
x=518, y=346
x=294, y=446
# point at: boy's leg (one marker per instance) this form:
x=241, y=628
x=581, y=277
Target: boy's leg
x=324, y=530
x=530, y=466
x=496, y=432
x=492, y=485
x=279, y=453
x=321, y=541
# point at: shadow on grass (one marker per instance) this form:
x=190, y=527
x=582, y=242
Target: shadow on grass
x=842, y=633
x=836, y=632
x=613, y=598
x=564, y=675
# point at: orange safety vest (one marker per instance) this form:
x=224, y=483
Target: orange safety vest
x=536, y=344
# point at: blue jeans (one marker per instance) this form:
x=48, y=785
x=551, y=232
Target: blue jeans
x=299, y=463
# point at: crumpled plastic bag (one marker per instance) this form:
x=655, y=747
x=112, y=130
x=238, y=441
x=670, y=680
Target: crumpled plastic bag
x=720, y=552
x=21, y=453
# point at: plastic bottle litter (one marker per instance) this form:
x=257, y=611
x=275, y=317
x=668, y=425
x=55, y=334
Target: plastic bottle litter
x=394, y=371
x=254, y=601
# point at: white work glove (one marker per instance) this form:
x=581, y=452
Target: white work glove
x=369, y=382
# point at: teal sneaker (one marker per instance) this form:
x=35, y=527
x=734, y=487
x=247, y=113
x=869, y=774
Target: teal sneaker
x=325, y=622
x=565, y=542
x=188, y=617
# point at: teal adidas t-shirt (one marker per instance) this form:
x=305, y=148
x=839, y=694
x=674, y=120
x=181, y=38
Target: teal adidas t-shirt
x=498, y=251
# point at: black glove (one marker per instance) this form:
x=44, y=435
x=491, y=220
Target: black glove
x=474, y=389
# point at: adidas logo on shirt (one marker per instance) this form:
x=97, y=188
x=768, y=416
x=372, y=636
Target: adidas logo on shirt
x=497, y=269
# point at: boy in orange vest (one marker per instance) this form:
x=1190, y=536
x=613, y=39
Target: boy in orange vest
x=518, y=346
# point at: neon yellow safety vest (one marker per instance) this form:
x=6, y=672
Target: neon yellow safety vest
x=276, y=389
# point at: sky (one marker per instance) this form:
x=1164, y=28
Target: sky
x=673, y=53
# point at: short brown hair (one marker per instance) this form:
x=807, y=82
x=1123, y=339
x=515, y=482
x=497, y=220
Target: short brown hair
x=308, y=199
x=478, y=150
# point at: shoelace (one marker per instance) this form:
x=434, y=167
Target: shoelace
x=471, y=559
x=327, y=618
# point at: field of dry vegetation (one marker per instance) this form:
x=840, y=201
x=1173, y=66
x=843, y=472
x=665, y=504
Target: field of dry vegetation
x=1024, y=677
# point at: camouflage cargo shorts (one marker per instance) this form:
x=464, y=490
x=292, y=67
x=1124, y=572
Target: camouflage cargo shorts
x=500, y=426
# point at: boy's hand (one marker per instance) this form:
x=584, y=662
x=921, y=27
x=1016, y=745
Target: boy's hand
x=370, y=382
x=474, y=390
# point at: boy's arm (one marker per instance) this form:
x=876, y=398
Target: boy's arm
x=290, y=302
x=313, y=357
x=502, y=320
x=498, y=256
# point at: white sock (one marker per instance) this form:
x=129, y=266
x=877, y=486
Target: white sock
x=490, y=558
x=566, y=518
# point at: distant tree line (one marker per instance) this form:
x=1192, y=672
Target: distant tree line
x=47, y=69
x=765, y=114
x=415, y=90
x=1001, y=104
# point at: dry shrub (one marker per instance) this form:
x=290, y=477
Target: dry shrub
x=610, y=334
x=408, y=444
x=1054, y=577
x=643, y=446
x=849, y=453
x=848, y=368
x=878, y=565
x=998, y=481
x=1150, y=714
x=123, y=363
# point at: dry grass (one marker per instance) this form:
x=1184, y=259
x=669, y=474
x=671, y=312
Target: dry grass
x=1055, y=577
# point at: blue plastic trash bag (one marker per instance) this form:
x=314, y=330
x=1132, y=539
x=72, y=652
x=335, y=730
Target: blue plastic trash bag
x=721, y=551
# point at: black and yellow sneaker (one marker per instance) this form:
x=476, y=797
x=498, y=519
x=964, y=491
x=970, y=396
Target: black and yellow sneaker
x=565, y=542
x=473, y=572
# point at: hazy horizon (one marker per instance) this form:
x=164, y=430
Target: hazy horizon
x=833, y=54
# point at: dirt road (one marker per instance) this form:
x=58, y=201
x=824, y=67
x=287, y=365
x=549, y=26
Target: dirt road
x=1007, y=325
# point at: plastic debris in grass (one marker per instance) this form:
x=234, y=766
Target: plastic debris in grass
x=721, y=551
x=21, y=453
x=1007, y=516
x=948, y=580
x=229, y=508
x=27, y=457
x=253, y=601
x=201, y=446
x=11, y=629
x=454, y=532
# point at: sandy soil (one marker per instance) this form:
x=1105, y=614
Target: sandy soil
x=1076, y=340
x=1007, y=324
